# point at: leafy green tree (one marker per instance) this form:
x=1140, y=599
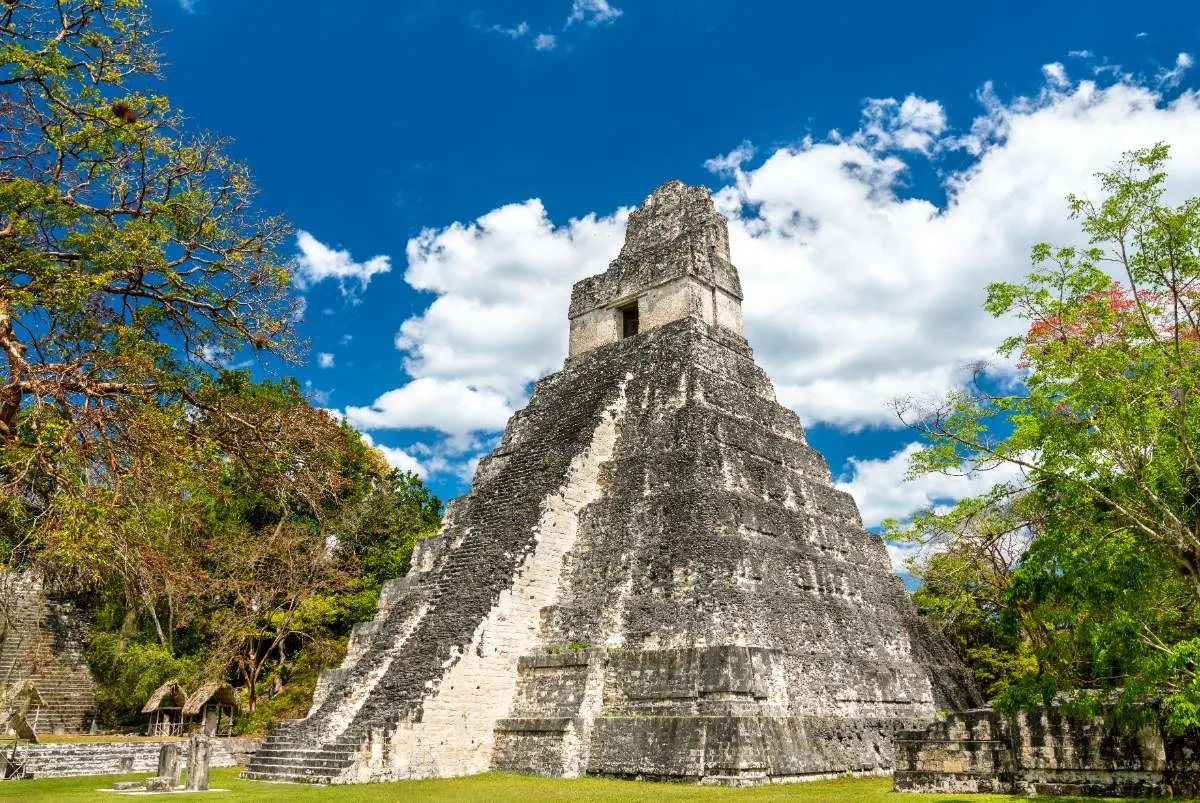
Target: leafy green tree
x=1104, y=427
x=398, y=512
x=965, y=584
x=133, y=263
x=223, y=526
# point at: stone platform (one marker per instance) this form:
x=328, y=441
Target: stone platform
x=1047, y=753
x=70, y=759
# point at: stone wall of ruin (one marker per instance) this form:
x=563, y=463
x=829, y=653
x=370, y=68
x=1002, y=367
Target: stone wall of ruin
x=1046, y=753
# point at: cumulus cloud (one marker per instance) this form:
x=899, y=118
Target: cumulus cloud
x=880, y=489
x=1170, y=78
x=545, y=41
x=502, y=285
x=398, y=458
x=728, y=164
x=317, y=262
x=451, y=407
x=913, y=124
x=592, y=12
x=854, y=293
x=325, y=359
x=882, y=492
x=1056, y=74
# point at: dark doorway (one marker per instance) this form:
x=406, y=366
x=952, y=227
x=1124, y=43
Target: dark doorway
x=629, y=320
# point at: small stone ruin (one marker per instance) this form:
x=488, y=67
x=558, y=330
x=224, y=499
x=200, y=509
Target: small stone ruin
x=652, y=576
x=1047, y=752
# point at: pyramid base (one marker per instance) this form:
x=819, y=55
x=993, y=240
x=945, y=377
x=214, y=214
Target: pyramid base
x=717, y=750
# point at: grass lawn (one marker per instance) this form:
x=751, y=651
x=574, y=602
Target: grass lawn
x=501, y=788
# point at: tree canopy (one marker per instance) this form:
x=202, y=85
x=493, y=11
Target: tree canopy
x=135, y=265
x=219, y=524
x=1097, y=576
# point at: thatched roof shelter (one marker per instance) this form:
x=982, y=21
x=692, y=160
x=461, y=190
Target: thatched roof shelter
x=214, y=692
x=168, y=695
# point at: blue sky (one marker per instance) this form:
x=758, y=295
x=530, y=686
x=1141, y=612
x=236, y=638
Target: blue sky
x=456, y=166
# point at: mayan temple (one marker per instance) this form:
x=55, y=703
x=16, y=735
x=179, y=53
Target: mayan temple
x=652, y=575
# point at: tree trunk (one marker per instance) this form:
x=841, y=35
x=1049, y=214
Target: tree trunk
x=130, y=619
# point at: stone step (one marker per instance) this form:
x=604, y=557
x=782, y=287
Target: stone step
x=298, y=764
x=303, y=753
x=285, y=777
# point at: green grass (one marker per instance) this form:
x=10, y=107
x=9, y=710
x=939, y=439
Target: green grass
x=503, y=788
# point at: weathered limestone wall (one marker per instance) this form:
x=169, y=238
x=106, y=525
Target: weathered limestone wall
x=1046, y=754
x=675, y=264
x=68, y=759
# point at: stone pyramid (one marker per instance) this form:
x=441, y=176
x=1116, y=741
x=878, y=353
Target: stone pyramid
x=652, y=575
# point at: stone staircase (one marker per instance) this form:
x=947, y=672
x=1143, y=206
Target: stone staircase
x=43, y=641
x=287, y=756
x=428, y=618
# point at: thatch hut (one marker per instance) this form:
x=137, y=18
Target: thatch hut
x=165, y=710
x=215, y=704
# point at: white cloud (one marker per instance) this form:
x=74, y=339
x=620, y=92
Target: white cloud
x=318, y=262
x=398, y=458
x=1169, y=79
x=728, y=164
x=855, y=294
x=1080, y=54
x=1056, y=74
x=913, y=124
x=188, y=5
x=881, y=491
x=503, y=283
x=592, y=12
x=541, y=42
x=325, y=359
x=452, y=407
x=516, y=32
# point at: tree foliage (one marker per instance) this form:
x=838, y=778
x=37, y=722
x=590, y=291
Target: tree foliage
x=1104, y=426
x=133, y=264
x=219, y=525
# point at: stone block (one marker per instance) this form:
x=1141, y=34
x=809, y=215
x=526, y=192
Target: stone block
x=159, y=784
